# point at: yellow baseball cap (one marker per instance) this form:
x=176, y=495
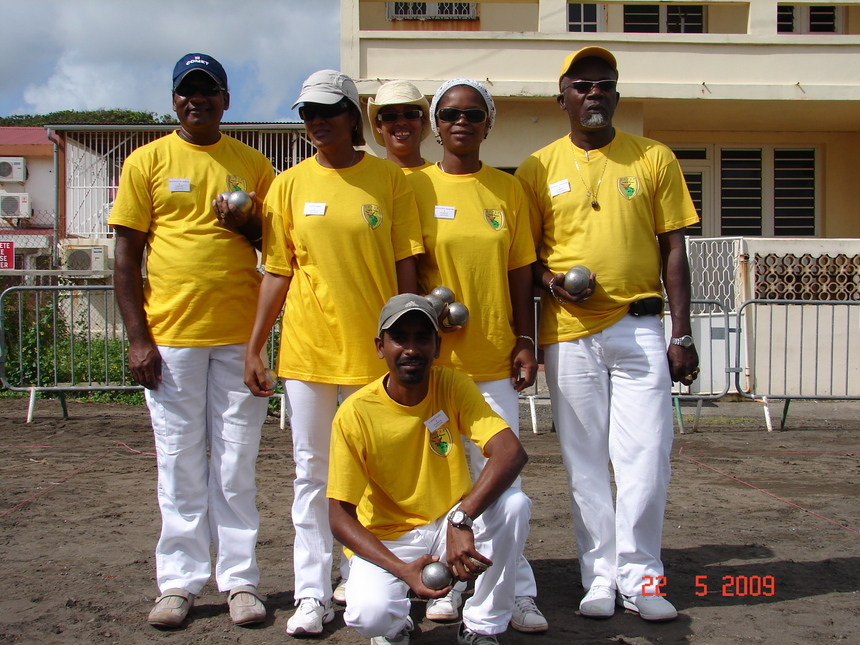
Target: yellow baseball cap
x=586, y=52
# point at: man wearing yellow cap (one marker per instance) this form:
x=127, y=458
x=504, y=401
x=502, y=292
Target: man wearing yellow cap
x=618, y=204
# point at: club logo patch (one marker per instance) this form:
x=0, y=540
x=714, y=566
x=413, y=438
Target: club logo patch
x=372, y=214
x=440, y=441
x=495, y=218
x=628, y=187
x=235, y=182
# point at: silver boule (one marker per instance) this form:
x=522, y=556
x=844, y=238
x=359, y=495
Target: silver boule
x=438, y=305
x=444, y=294
x=436, y=575
x=458, y=314
x=271, y=378
x=241, y=200
x=576, y=279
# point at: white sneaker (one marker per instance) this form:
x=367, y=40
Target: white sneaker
x=310, y=617
x=649, y=607
x=402, y=637
x=527, y=617
x=599, y=602
x=445, y=609
x=339, y=595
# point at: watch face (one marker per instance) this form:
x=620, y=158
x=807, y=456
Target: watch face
x=457, y=517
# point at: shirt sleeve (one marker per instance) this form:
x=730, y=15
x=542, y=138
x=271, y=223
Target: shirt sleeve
x=477, y=420
x=132, y=207
x=278, y=249
x=348, y=477
x=522, y=244
x=406, y=225
x=673, y=206
x=527, y=173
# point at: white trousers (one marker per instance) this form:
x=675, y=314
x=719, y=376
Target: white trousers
x=505, y=401
x=611, y=402
x=376, y=600
x=312, y=407
x=202, y=401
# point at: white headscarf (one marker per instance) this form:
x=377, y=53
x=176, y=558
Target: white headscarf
x=447, y=85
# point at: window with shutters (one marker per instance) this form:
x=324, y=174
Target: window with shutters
x=431, y=10
x=809, y=19
x=664, y=18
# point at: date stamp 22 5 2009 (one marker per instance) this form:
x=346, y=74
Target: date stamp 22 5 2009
x=730, y=586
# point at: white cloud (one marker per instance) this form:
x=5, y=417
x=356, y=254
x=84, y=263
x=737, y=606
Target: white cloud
x=93, y=54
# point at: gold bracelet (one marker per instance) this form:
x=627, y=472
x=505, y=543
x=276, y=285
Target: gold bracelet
x=528, y=338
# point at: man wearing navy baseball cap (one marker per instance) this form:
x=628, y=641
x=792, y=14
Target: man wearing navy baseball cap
x=201, y=262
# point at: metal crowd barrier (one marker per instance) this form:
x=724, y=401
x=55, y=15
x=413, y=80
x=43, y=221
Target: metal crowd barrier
x=793, y=349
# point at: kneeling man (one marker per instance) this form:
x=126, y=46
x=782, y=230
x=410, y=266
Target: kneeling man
x=400, y=492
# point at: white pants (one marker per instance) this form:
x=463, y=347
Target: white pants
x=376, y=600
x=504, y=400
x=202, y=400
x=611, y=401
x=312, y=407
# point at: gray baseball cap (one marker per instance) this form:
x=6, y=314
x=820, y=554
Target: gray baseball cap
x=403, y=304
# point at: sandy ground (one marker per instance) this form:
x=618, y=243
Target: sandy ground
x=768, y=521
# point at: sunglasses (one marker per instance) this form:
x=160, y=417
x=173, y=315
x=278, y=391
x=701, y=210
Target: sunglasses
x=584, y=87
x=310, y=111
x=189, y=89
x=409, y=115
x=452, y=115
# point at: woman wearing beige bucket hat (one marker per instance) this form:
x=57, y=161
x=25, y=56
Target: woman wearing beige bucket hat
x=399, y=116
x=341, y=235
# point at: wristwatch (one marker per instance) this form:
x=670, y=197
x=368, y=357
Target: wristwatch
x=684, y=341
x=458, y=519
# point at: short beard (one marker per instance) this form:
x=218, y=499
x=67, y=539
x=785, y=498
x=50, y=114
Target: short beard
x=594, y=120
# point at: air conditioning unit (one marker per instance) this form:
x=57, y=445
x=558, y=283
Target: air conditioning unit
x=90, y=257
x=15, y=205
x=13, y=169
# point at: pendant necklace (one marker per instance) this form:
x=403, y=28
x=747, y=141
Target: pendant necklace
x=594, y=203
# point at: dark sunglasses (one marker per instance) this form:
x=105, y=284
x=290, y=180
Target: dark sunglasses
x=584, y=87
x=310, y=111
x=189, y=89
x=409, y=115
x=452, y=115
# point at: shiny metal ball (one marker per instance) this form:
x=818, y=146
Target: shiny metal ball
x=438, y=305
x=576, y=279
x=241, y=200
x=436, y=575
x=444, y=294
x=271, y=378
x=458, y=314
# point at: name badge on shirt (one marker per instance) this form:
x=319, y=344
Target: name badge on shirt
x=436, y=421
x=444, y=212
x=559, y=187
x=314, y=208
x=179, y=185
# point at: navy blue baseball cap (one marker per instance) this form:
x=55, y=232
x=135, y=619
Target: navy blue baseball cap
x=192, y=62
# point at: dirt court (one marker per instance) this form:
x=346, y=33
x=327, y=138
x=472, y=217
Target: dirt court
x=769, y=522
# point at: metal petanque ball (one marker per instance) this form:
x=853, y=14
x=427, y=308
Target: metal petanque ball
x=458, y=314
x=271, y=378
x=576, y=280
x=241, y=200
x=438, y=305
x=444, y=294
x=436, y=575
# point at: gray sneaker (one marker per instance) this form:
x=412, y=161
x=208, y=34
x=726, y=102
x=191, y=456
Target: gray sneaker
x=466, y=637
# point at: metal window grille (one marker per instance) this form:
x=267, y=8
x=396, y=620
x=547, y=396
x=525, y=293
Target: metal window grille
x=785, y=19
x=431, y=10
x=741, y=192
x=685, y=19
x=583, y=17
x=794, y=193
x=642, y=18
x=822, y=19
x=809, y=19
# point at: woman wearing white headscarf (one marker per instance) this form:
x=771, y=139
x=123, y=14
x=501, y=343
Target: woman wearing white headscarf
x=475, y=225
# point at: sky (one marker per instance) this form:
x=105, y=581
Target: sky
x=93, y=54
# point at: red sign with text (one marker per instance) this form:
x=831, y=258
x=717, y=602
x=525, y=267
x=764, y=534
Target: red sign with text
x=7, y=255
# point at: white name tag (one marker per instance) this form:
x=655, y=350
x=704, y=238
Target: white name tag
x=559, y=187
x=179, y=185
x=314, y=208
x=444, y=212
x=436, y=421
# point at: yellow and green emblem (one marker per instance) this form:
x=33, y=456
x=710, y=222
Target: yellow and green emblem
x=440, y=441
x=628, y=187
x=372, y=214
x=235, y=182
x=495, y=218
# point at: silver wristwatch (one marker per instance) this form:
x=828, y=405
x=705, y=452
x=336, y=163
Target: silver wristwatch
x=458, y=519
x=684, y=341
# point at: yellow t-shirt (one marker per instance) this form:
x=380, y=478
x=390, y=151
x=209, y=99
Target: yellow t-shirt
x=338, y=234
x=409, y=171
x=201, y=278
x=476, y=229
x=399, y=467
x=642, y=193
